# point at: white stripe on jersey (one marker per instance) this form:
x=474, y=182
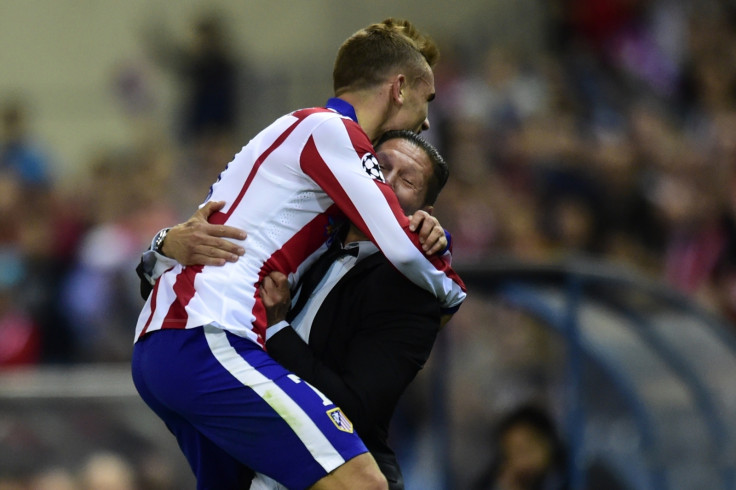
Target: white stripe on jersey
x=299, y=421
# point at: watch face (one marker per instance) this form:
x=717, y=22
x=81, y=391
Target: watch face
x=160, y=240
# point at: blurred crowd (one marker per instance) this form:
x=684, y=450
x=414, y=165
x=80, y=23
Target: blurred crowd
x=100, y=470
x=617, y=140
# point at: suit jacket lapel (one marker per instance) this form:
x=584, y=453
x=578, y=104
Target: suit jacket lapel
x=335, y=301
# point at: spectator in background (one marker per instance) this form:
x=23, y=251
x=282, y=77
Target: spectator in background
x=529, y=454
x=216, y=84
x=38, y=230
x=210, y=74
x=19, y=333
x=20, y=154
x=54, y=478
x=107, y=471
x=123, y=195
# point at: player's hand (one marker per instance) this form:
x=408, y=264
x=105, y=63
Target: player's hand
x=431, y=234
x=197, y=242
x=275, y=296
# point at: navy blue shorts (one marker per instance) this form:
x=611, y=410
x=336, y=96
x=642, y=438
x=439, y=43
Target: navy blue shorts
x=233, y=408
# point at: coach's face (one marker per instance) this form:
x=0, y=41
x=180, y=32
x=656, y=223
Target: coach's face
x=408, y=170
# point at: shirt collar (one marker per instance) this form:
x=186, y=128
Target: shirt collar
x=365, y=248
x=342, y=107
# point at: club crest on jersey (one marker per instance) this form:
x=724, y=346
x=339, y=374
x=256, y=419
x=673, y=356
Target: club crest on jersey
x=340, y=420
x=372, y=168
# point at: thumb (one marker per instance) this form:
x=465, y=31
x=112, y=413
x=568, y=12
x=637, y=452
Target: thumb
x=279, y=278
x=211, y=207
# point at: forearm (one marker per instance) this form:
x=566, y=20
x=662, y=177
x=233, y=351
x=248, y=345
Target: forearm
x=194, y=242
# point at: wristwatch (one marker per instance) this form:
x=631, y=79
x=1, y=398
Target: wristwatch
x=158, y=241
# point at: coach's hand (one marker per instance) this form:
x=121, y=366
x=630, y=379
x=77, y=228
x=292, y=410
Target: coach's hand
x=197, y=242
x=275, y=296
x=431, y=234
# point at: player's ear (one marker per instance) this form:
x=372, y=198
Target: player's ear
x=398, y=87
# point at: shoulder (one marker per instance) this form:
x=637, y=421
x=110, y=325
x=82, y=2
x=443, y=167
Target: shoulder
x=393, y=283
x=330, y=124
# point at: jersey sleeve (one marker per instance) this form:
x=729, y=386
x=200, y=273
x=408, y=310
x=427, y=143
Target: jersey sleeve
x=341, y=160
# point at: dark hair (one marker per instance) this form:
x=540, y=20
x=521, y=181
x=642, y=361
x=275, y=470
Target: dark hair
x=366, y=58
x=440, y=170
x=540, y=422
x=527, y=415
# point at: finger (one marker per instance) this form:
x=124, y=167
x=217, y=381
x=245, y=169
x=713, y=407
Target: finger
x=219, y=247
x=427, y=229
x=200, y=259
x=436, y=248
x=281, y=283
x=432, y=237
x=212, y=256
x=278, y=277
x=280, y=280
x=225, y=231
x=437, y=243
x=416, y=219
x=267, y=285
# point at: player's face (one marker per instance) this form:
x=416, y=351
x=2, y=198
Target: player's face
x=408, y=170
x=417, y=94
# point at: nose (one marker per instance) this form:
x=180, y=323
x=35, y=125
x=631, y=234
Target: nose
x=389, y=177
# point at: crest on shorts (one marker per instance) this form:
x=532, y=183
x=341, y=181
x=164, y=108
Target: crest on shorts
x=340, y=420
x=371, y=167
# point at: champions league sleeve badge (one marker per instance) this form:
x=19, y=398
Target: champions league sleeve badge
x=371, y=167
x=340, y=420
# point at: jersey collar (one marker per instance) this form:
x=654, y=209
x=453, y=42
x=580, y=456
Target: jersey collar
x=342, y=107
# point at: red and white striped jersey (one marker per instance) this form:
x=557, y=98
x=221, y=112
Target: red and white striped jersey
x=289, y=188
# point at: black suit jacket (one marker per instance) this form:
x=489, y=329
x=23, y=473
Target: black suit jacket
x=371, y=335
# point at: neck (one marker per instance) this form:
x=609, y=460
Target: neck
x=354, y=235
x=371, y=108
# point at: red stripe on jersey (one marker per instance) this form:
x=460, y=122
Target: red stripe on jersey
x=176, y=317
x=292, y=254
x=358, y=138
x=153, y=309
x=184, y=289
